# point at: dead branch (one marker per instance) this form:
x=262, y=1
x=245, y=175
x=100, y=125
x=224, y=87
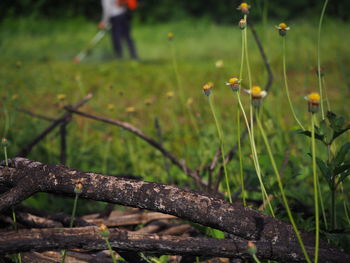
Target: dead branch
x=36, y=115
x=89, y=238
x=26, y=150
x=127, y=126
x=27, y=177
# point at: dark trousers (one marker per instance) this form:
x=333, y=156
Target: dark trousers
x=121, y=32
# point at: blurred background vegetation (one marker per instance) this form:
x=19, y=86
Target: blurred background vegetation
x=153, y=11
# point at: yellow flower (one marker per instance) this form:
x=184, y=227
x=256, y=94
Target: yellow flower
x=170, y=35
x=234, y=83
x=314, y=97
x=207, y=88
x=61, y=97
x=256, y=91
x=14, y=96
x=110, y=107
x=282, y=29
x=257, y=95
x=244, y=7
x=130, y=110
x=170, y=94
x=313, y=100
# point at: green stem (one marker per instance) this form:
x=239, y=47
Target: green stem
x=333, y=205
x=319, y=55
x=346, y=211
x=255, y=157
x=286, y=83
x=19, y=257
x=321, y=203
x=325, y=94
x=249, y=75
x=242, y=57
x=110, y=250
x=313, y=146
x=71, y=222
x=333, y=189
x=239, y=129
x=177, y=75
x=221, y=147
x=240, y=155
x=6, y=159
x=7, y=122
x=255, y=258
x=246, y=53
x=280, y=185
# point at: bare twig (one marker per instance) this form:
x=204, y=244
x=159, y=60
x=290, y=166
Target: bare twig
x=26, y=150
x=39, y=116
x=127, y=126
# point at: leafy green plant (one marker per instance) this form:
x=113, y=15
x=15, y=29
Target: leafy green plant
x=337, y=166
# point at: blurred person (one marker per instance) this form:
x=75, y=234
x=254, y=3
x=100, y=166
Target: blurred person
x=117, y=13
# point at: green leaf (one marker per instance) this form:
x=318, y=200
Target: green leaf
x=331, y=115
x=323, y=125
x=343, y=176
x=326, y=172
x=326, y=131
x=338, y=133
x=341, y=169
x=308, y=133
x=337, y=123
x=340, y=157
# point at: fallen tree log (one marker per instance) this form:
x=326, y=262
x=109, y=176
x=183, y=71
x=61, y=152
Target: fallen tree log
x=89, y=238
x=25, y=177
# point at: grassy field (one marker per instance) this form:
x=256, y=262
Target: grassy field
x=36, y=65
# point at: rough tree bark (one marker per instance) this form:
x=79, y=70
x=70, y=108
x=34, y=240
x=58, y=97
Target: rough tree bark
x=25, y=177
x=89, y=238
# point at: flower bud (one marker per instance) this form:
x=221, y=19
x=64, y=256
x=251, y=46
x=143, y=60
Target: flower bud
x=313, y=100
x=4, y=142
x=251, y=248
x=242, y=24
x=282, y=29
x=244, y=7
x=234, y=83
x=257, y=95
x=207, y=88
x=103, y=230
x=78, y=188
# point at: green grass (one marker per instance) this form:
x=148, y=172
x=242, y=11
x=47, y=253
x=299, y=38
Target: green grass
x=36, y=64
